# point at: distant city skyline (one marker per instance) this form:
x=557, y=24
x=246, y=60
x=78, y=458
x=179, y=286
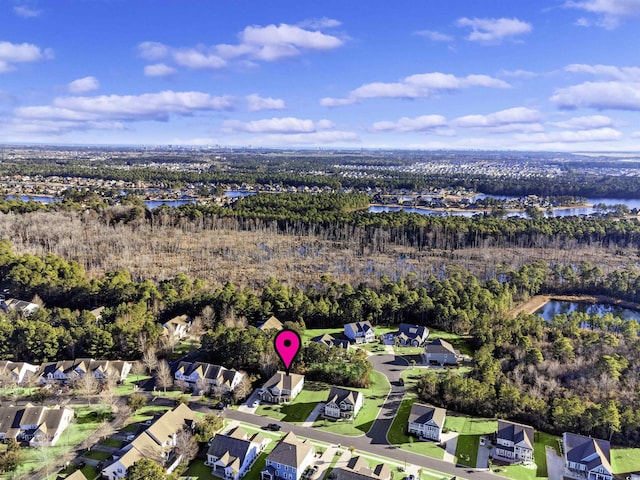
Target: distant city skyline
x=415, y=74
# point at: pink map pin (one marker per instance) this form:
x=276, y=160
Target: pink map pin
x=287, y=344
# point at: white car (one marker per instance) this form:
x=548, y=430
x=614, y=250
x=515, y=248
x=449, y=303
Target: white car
x=256, y=404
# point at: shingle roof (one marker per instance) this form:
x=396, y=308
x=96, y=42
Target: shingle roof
x=337, y=395
x=440, y=346
x=421, y=413
x=515, y=432
x=578, y=448
x=272, y=322
x=413, y=331
x=284, y=381
x=229, y=448
x=290, y=451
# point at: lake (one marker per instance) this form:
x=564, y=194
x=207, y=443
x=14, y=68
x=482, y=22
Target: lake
x=35, y=198
x=556, y=307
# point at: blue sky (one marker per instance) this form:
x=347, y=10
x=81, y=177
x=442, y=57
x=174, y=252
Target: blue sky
x=485, y=74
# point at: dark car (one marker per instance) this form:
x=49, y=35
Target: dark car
x=220, y=406
x=273, y=426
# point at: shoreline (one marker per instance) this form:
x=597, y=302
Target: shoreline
x=538, y=301
x=458, y=209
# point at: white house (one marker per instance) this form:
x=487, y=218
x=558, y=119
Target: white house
x=17, y=371
x=231, y=455
x=156, y=443
x=412, y=335
x=441, y=352
x=514, y=442
x=426, y=421
x=586, y=458
x=178, y=327
x=360, y=332
x=39, y=426
x=281, y=388
x=67, y=371
x=25, y=308
x=343, y=403
x=358, y=468
x=209, y=375
x=288, y=460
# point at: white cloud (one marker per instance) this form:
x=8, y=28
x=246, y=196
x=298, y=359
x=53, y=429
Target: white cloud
x=609, y=12
x=423, y=85
x=256, y=103
x=406, y=124
x=600, y=95
x=636, y=134
x=318, y=23
x=195, y=59
x=610, y=71
x=83, y=85
x=493, y=30
x=25, y=11
x=516, y=115
x=588, y=122
x=435, y=36
x=285, y=125
x=11, y=53
x=159, y=70
x=148, y=106
x=335, y=137
x=518, y=73
x=153, y=50
x=567, y=136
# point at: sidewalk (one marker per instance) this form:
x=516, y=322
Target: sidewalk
x=313, y=415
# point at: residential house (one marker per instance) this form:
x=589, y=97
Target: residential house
x=343, y=403
x=359, y=332
x=97, y=312
x=231, y=455
x=288, y=460
x=77, y=475
x=514, y=442
x=178, y=327
x=441, y=352
x=40, y=426
x=329, y=340
x=281, y=388
x=272, y=323
x=156, y=443
x=67, y=371
x=412, y=335
x=358, y=468
x=586, y=457
x=13, y=304
x=206, y=376
x=426, y=421
x=16, y=372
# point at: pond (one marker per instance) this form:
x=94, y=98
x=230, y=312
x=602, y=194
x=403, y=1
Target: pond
x=555, y=307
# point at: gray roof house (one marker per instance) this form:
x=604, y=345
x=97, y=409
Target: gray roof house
x=412, y=335
x=358, y=469
x=359, y=332
x=329, y=340
x=288, y=460
x=343, y=403
x=441, y=352
x=586, y=458
x=426, y=421
x=281, y=388
x=232, y=455
x=514, y=442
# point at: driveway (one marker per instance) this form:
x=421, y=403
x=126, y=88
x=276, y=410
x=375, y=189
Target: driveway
x=482, y=460
x=247, y=405
x=451, y=441
x=555, y=464
x=392, y=367
x=313, y=415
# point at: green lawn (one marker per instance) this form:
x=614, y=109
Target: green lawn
x=397, y=434
x=299, y=409
x=198, y=471
x=88, y=421
x=96, y=455
x=374, y=397
x=625, y=460
x=147, y=413
x=541, y=440
x=307, y=335
x=127, y=387
x=470, y=429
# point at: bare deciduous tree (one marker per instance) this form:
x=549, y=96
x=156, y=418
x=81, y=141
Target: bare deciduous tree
x=87, y=386
x=150, y=358
x=164, y=378
x=243, y=389
x=186, y=446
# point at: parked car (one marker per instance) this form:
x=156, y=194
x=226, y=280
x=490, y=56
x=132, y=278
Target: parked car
x=256, y=404
x=220, y=406
x=273, y=426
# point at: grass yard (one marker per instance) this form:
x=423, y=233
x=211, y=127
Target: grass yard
x=470, y=429
x=459, y=342
x=301, y=407
x=307, y=335
x=87, y=421
x=198, y=471
x=541, y=441
x=147, y=413
x=625, y=460
x=374, y=397
x=96, y=455
x=397, y=434
x=128, y=386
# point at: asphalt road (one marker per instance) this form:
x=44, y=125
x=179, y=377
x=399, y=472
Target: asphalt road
x=365, y=444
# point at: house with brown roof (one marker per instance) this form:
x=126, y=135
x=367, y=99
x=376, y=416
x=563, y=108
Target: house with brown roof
x=288, y=460
x=514, y=442
x=426, y=421
x=272, y=323
x=23, y=307
x=440, y=352
x=281, y=388
x=329, y=340
x=231, y=455
x=40, y=426
x=156, y=443
x=67, y=371
x=358, y=468
x=586, y=458
x=343, y=403
x=77, y=475
x=207, y=375
x=178, y=327
x=16, y=372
